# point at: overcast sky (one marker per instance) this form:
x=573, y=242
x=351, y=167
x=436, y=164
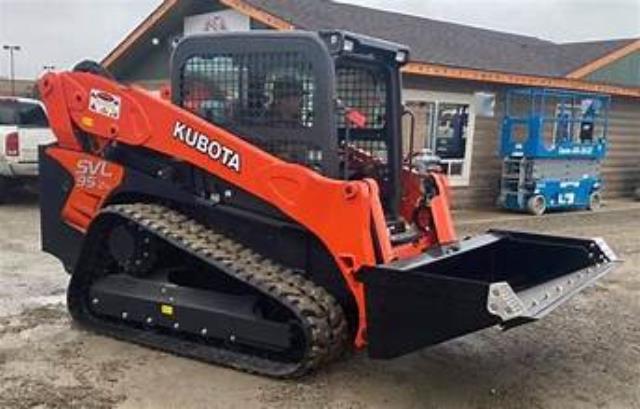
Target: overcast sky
x=62, y=32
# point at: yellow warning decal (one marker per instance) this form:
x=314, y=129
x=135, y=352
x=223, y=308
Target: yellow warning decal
x=166, y=309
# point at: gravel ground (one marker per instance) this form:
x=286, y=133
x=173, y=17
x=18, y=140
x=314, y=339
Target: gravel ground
x=584, y=355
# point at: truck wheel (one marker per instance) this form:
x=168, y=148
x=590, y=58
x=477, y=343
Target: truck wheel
x=537, y=205
x=595, y=201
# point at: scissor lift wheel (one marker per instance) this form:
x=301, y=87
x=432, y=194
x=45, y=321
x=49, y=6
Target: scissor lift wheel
x=537, y=205
x=595, y=201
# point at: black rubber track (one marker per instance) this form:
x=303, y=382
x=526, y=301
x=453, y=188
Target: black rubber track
x=318, y=314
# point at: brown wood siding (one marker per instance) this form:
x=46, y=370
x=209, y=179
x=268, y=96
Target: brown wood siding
x=621, y=168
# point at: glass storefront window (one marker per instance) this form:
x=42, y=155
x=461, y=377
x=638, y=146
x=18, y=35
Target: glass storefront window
x=444, y=127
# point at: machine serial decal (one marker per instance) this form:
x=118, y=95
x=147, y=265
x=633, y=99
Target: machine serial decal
x=207, y=146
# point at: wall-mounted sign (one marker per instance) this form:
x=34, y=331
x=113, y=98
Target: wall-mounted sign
x=226, y=20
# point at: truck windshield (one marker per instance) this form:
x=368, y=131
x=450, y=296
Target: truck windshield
x=13, y=112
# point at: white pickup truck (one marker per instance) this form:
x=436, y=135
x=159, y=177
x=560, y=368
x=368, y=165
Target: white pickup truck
x=23, y=127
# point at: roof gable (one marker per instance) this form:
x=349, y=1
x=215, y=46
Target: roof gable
x=590, y=56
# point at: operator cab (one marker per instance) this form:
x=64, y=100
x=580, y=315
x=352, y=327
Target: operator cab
x=329, y=101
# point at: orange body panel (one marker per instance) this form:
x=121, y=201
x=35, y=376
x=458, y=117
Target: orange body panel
x=340, y=213
x=94, y=180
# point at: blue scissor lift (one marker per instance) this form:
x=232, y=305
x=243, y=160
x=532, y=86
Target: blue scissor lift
x=552, y=144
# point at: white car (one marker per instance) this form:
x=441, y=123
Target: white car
x=23, y=128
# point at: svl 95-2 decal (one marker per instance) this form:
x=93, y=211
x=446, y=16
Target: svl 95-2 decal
x=92, y=174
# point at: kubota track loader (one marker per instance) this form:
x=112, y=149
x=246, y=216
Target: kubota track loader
x=265, y=217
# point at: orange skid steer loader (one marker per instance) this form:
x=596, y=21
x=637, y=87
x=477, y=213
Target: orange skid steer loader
x=263, y=216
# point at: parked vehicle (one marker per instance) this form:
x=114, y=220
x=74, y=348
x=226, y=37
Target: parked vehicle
x=23, y=127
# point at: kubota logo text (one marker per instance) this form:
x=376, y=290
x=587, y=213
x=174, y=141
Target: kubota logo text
x=207, y=146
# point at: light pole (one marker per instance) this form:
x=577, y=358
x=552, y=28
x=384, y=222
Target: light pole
x=11, y=49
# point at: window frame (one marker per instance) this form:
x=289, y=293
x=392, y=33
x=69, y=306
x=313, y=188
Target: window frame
x=434, y=97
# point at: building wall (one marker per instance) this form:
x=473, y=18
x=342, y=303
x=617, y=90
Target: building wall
x=151, y=61
x=149, y=67
x=621, y=167
x=151, y=64
x=154, y=67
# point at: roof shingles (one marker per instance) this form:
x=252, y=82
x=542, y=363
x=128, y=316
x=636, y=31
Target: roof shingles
x=445, y=43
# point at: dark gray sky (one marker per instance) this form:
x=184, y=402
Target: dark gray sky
x=62, y=32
